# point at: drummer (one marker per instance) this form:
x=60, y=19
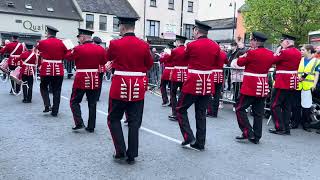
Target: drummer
x=28, y=61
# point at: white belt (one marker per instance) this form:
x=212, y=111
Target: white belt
x=217, y=70
x=15, y=56
x=199, y=71
x=87, y=70
x=181, y=67
x=128, y=73
x=170, y=68
x=52, y=61
x=254, y=74
x=286, y=72
x=27, y=64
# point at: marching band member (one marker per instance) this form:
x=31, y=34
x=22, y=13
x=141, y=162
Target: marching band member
x=255, y=87
x=102, y=68
x=202, y=55
x=131, y=59
x=88, y=58
x=166, y=75
x=28, y=61
x=14, y=49
x=52, y=51
x=286, y=82
x=218, y=78
x=179, y=73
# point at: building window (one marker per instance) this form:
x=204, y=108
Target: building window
x=190, y=6
x=89, y=21
x=115, y=24
x=171, y=4
x=153, y=3
x=153, y=28
x=188, y=30
x=103, y=23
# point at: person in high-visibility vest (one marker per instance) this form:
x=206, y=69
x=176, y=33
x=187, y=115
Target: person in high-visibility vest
x=308, y=77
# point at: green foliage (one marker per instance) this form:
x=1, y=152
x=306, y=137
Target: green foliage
x=294, y=17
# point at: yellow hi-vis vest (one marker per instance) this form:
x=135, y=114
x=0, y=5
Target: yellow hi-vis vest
x=308, y=82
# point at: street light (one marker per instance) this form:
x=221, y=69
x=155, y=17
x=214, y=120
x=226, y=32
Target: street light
x=234, y=16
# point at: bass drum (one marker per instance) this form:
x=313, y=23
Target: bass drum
x=4, y=70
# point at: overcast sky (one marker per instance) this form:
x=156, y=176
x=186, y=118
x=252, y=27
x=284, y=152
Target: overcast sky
x=219, y=9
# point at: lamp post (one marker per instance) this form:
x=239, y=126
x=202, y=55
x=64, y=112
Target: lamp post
x=234, y=16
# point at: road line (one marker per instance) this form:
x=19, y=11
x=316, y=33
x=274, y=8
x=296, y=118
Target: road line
x=142, y=128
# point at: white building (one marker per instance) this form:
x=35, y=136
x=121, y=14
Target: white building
x=100, y=17
x=29, y=18
x=218, y=9
x=163, y=19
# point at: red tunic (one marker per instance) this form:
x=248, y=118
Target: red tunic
x=257, y=63
x=9, y=48
x=218, y=68
x=202, y=56
x=52, y=51
x=287, y=64
x=28, y=68
x=131, y=59
x=168, y=67
x=88, y=58
x=180, y=71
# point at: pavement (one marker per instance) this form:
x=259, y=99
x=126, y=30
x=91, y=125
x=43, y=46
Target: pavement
x=34, y=145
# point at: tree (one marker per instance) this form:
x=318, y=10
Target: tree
x=293, y=17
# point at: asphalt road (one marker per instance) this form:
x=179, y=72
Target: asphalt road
x=34, y=145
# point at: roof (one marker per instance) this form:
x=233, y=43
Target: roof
x=226, y=23
x=113, y=7
x=63, y=9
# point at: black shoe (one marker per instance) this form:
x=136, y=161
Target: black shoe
x=254, y=140
x=11, y=93
x=275, y=131
x=185, y=143
x=121, y=156
x=241, y=137
x=212, y=115
x=89, y=130
x=54, y=114
x=306, y=129
x=197, y=146
x=165, y=104
x=24, y=101
x=130, y=161
x=287, y=133
x=77, y=127
x=170, y=105
x=172, y=118
x=47, y=109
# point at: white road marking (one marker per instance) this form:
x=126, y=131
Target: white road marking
x=142, y=128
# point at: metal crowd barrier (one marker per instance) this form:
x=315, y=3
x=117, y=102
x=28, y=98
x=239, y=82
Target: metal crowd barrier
x=231, y=87
x=154, y=75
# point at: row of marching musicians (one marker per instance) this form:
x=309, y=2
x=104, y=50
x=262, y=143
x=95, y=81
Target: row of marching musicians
x=129, y=59
x=197, y=70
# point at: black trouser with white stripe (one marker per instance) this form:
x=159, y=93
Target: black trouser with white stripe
x=134, y=112
x=76, y=98
x=173, y=95
x=27, y=90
